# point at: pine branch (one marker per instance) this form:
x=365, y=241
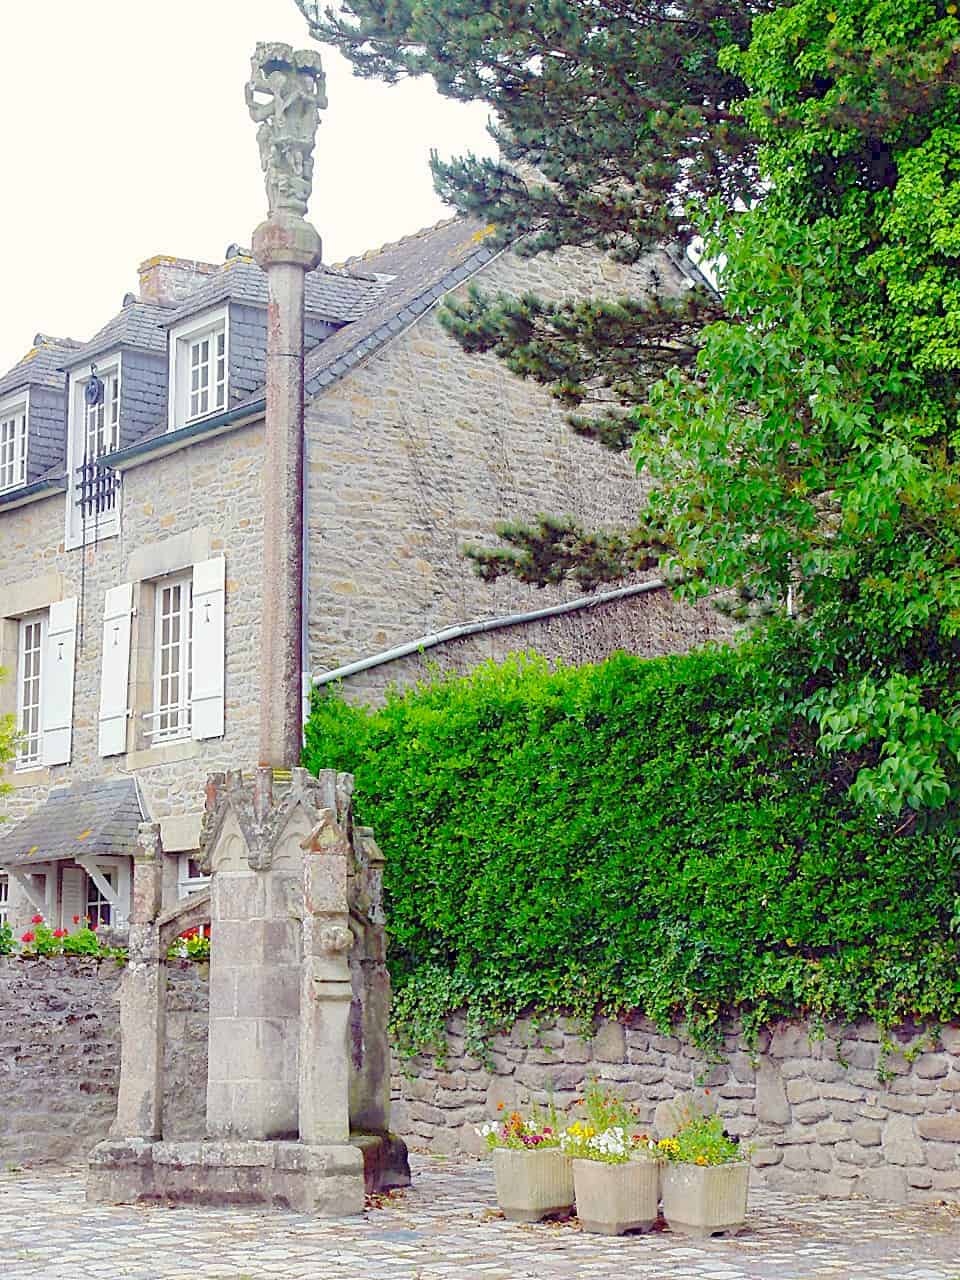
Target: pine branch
x=600, y=354
x=555, y=549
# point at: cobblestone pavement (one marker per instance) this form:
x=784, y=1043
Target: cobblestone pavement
x=446, y=1227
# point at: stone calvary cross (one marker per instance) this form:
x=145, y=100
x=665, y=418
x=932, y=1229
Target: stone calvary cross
x=298, y=1075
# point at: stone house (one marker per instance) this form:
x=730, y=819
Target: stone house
x=131, y=528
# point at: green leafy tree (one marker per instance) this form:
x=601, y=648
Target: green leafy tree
x=803, y=442
x=812, y=447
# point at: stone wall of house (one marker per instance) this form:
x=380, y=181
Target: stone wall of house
x=60, y=1055
x=422, y=450
x=210, y=496
x=835, y=1115
x=417, y=452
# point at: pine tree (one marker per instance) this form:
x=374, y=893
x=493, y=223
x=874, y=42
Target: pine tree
x=613, y=119
x=621, y=107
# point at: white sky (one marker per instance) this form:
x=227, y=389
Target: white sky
x=125, y=134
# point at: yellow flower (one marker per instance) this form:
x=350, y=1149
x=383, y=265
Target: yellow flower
x=951, y=8
x=831, y=16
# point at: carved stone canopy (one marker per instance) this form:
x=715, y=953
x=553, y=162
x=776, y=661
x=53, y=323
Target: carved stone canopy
x=285, y=95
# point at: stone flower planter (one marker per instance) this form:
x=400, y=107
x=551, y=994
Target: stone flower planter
x=703, y=1200
x=614, y=1198
x=533, y=1184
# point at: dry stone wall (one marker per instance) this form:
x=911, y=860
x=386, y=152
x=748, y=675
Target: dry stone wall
x=816, y=1110
x=60, y=1055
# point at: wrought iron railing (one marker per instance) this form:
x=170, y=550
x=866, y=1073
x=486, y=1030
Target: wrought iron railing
x=97, y=488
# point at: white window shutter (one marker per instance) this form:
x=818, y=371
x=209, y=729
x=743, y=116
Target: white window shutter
x=209, y=582
x=115, y=673
x=73, y=896
x=59, y=658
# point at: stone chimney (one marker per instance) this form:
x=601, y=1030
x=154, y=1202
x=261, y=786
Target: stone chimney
x=170, y=281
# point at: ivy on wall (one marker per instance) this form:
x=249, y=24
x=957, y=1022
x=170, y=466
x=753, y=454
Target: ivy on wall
x=657, y=835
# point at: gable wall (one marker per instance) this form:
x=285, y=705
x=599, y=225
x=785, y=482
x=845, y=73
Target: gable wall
x=422, y=450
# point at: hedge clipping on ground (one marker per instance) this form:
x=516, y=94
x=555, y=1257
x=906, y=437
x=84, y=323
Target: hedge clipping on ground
x=639, y=834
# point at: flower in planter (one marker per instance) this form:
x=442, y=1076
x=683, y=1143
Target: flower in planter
x=605, y=1108
x=36, y=919
x=705, y=1178
x=615, y=1145
x=28, y=937
x=702, y=1140
x=519, y=1134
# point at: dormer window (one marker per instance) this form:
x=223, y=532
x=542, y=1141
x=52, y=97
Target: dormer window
x=198, y=368
x=13, y=442
x=101, y=416
x=94, y=430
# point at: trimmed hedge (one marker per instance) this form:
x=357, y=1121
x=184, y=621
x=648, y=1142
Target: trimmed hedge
x=638, y=834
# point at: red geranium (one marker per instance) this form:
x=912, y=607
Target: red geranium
x=37, y=920
x=59, y=933
x=76, y=919
x=28, y=936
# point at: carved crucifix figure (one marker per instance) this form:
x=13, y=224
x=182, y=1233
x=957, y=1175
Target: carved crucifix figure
x=285, y=95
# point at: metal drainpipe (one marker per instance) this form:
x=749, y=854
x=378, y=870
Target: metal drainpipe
x=489, y=624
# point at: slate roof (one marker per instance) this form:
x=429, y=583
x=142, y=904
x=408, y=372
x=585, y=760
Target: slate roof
x=89, y=817
x=40, y=366
x=332, y=295
x=140, y=325
x=424, y=267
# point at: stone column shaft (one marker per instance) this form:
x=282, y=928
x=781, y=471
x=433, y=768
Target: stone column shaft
x=143, y=998
x=286, y=248
x=326, y=990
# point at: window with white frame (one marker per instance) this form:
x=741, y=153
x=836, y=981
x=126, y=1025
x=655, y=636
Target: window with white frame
x=98, y=908
x=4, y=900
x=208, y=373
x=33, y=632
x=94, y=431
x=101, y=420
x=191, y=878
x=198, y=369
x=13, y=445
x=172, y=659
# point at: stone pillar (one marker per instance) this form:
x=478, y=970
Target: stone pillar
x=254, y=976
x=325, y=992
x=143, y=999
x=370, y=1076
x=284, y=95
x=286, y=248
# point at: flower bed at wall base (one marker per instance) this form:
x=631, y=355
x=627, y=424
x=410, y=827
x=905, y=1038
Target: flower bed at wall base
x=652, y=835
x=39, y=939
